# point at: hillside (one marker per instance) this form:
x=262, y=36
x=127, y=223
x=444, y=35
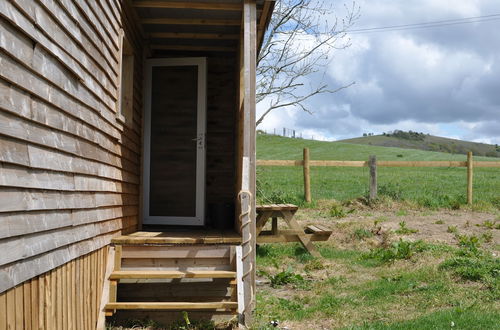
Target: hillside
x=277, y=147
x=428, y=143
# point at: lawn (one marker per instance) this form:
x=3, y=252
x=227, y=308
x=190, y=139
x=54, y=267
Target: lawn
x=373, y=275
x=430, y=187
x=417, y=258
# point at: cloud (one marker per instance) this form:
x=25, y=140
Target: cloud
x=443, y=81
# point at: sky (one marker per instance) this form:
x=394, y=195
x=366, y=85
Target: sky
x=444, y=81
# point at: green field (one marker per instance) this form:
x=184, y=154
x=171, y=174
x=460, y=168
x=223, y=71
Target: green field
x=431, y=187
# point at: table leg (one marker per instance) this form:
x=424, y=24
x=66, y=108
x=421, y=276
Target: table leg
x=306, y=241
x=261, y=221
x=274, y=228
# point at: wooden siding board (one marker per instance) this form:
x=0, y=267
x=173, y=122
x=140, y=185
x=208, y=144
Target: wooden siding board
x=110, y=29
x=22, y=104
x=12, y=200
x=43, y=158
x=35, y=85
x=94, y=77
x=14, y=152
x=73, y=30
x=15, y=176
x=35, y=133
x=18, y=248
x=111, y=57
x=57, y=72
x=42, y=18
x=25, y=177
x=110, y=41
x=16, y=224
x=23, y=270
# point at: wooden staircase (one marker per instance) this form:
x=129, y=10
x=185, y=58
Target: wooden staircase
x=171, y=277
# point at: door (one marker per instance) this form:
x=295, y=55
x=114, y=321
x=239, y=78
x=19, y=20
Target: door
x=174, y=142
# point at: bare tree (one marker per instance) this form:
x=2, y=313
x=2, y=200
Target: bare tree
x=297, y=45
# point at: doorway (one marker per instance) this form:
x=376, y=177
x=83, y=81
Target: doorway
x=174, y=142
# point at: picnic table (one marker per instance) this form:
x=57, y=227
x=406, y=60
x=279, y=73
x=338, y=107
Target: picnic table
x=294, y=233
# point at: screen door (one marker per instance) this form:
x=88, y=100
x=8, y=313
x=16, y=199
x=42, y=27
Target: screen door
x=174, y=141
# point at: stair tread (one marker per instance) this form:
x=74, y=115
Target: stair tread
x=149, y=274
x=172, y=305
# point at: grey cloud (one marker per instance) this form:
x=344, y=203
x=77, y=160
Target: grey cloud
x=396, y=83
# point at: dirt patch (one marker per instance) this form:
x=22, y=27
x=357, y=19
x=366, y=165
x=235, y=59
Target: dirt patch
x=440, y=226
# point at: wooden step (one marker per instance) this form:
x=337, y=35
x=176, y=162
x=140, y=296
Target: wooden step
x=162, y=274
x=226, y=305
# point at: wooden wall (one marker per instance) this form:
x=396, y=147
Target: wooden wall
x=69, y=170
x=65, y=298
x=221, y=100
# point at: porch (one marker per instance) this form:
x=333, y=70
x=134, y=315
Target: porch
x=194, y=248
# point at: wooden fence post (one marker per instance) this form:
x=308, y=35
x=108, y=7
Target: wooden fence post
x=470, y=166
x=372, y=163
x=307, y=177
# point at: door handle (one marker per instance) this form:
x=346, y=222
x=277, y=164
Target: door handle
x=200, y=141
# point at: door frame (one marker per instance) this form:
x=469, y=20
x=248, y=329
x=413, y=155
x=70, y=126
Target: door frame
x=199, y=218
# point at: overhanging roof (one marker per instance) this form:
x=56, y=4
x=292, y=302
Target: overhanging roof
x=197, y=26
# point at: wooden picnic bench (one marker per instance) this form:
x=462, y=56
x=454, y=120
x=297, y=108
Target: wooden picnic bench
x=294, y=234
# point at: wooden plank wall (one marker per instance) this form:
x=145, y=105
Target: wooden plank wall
x=69, y=170
x=221, y=98
x=67, y=297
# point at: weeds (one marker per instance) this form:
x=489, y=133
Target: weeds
x=487, y=237
x=286, y=277
x=470, y=263
x=478, y=268
x=339, y=211
x=362, y=233
x=489, y=224
x=469, y=243
x=397, y=250
x=439, y=222
x=452, y=230
x=314, y=264
x=404, y=230
x=401, y=213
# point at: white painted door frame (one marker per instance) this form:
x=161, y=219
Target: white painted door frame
x=199, y=218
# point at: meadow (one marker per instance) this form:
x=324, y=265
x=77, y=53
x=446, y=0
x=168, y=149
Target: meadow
x=428, y=187
x=417, y=258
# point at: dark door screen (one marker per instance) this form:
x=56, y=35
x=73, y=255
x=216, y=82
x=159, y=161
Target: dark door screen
x=173, y=149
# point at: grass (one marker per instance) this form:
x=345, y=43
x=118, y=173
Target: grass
x=414, y=286
x=363, y=280
x=452, y=318
x=428, y=187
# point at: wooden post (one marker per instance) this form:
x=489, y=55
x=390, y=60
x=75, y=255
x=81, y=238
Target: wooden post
x=307, y=177
x=470, y=165
x=248, y=55
x=372, y=162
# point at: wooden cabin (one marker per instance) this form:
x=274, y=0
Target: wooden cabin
x=127, y=159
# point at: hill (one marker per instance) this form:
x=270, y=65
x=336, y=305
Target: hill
x=277, y=147
x=412, y=140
